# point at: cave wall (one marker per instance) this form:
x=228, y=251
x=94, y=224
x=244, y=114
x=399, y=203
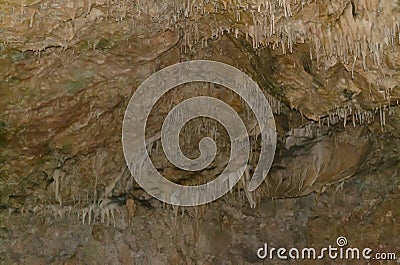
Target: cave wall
x=329, y=69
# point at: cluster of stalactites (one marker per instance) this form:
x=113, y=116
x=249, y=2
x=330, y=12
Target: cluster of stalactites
x=363, y=29
x=348, y=30
x=357, y=116
x=359, y=34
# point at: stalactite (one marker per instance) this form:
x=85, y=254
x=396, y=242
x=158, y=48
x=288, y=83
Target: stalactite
x=384, y=116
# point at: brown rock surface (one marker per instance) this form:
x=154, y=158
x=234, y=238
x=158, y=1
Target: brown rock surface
x=330, y=70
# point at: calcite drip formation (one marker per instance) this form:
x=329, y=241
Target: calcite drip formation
x=355, y=33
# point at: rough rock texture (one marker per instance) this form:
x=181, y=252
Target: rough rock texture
x=330, y=70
